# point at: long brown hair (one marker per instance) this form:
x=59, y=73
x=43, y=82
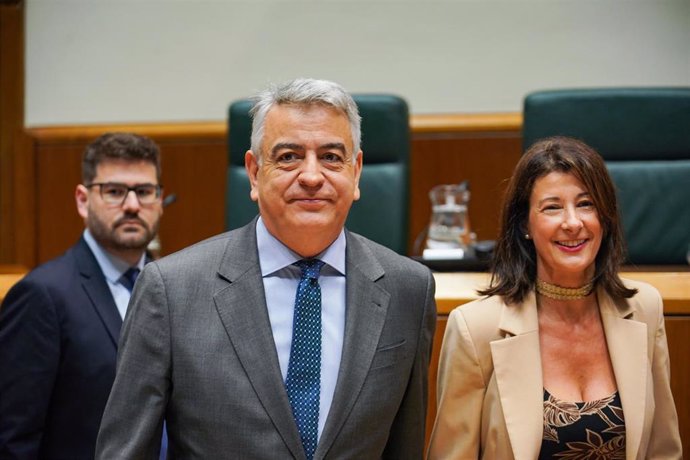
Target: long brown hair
x=515, y=259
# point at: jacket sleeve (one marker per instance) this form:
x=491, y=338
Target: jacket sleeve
x=29, y=361
x=406, y=439
x=132, y=423
x=460, y=395
x=664, y=441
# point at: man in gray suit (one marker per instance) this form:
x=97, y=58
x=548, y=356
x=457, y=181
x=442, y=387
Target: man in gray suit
x=287, y=338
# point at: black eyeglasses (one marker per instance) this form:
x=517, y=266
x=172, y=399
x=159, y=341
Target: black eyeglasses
x=116, y=193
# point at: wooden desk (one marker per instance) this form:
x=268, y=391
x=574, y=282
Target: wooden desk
x=453, y=289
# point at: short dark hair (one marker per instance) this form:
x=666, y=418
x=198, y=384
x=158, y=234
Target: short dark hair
x=119, y=146
x=515, y=259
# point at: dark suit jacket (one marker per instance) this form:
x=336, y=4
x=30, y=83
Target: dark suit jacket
x=59, y=328
x=197, y=348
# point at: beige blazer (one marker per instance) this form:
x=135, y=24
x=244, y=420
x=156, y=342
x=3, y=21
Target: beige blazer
x=490, y=391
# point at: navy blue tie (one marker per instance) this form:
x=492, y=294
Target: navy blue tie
x=303, y=382
x=129, y=277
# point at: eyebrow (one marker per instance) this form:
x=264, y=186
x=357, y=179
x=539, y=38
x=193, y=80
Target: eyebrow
x=555, y=198
x=285, y=146
x=291, y=146
x=334, y=145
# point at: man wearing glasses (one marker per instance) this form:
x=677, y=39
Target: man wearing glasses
x=59, y=326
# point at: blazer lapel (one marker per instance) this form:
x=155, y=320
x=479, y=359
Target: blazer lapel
x=97, y=290
x=366, y=309
x=241, y=305
x=517, y=368
x=627, y=343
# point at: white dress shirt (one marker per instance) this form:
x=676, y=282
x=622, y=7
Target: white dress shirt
x=280, y=279
x=113, y=268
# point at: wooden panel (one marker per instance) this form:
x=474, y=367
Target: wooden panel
x=487, y=160
x=466, y=123
x=678, y=335
x=194, y=169
x=196, y=173
x=58, y=224
x=15, y=199
x=161, y=132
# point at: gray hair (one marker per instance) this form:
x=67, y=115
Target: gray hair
x=304, y=91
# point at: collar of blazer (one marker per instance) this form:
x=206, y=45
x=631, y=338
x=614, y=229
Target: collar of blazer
x=627, y=342
x=241, y=256
x=96, y=288
x=518, y=372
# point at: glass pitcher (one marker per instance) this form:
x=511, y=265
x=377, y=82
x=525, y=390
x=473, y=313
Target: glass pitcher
x=449, y=227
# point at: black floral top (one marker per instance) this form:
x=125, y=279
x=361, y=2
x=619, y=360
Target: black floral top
x=592, y=430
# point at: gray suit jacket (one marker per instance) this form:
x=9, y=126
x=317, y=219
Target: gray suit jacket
x=197, y=350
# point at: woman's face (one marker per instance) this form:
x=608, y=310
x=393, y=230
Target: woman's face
x=565, y=228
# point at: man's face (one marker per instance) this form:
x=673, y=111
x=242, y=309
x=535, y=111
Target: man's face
x=128, y=226
x=307, y=180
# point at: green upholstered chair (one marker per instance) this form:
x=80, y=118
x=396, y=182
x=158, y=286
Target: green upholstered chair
x=644, y=136
x=381, y=212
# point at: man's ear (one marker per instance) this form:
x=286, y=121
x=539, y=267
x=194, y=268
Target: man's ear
x=81, y=196
x=358, y=173
x=251, y=165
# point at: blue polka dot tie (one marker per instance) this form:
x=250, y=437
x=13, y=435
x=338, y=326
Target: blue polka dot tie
x=129, y=277
x=303, y=382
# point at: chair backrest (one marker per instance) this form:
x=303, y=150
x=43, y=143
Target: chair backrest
x=381, y=213
x=643, y=134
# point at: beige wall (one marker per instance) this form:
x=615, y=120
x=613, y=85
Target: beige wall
x=103, y=61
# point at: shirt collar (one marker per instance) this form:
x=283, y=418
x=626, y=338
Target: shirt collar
x=274, y=255
x=112, y=267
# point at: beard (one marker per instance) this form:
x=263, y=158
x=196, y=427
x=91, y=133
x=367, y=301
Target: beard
x=115, y=237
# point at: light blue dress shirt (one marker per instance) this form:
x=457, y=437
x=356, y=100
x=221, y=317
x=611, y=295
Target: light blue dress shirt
x=280, y=279
x=113, y=268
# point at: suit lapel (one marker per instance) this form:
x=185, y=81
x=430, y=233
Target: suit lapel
x=241, y=305
x=97, y=290
x=627, y=343
x=366, y=309
x=517, y=367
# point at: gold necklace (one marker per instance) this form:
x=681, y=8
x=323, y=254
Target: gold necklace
x=553, y=291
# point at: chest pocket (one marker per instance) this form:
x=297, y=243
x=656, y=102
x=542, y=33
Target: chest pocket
x=389, y=354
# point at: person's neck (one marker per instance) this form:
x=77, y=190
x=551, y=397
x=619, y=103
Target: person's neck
x=573, y=311
x=131, y=256
x=309, y=246
x=308, y=251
